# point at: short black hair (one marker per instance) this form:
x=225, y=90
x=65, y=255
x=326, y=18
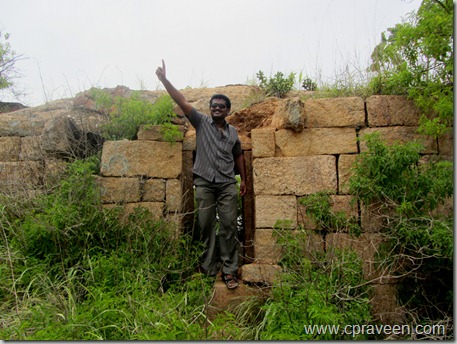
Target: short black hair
x=223, y=97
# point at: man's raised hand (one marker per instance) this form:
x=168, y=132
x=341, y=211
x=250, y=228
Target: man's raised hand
x=161, y=72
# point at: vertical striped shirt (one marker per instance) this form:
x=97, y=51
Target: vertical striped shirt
x=216, y=149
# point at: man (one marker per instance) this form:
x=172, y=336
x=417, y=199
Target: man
x=218, y=153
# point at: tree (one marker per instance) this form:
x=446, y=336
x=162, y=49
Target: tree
x=8, y=69
x=416, y=58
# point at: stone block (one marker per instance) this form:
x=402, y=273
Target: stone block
x=345, y=163
x=260, y=273
x=53, y=171
x=271, y=209
x=154, y=133
x=391, y=135
x=385, y=308
x=154, y=190
x=141, y=158
x=10, y=147
x=366, y=246
x=20, y=175
x=189, y=142
x=246, y=142
x=173, y=198
x=267, y=251
x=316, y=141
x=335, y=112
x=446, y=144
x=224, y=299
x=119, y=190
x=375, y=217
x=386, y=110
x=295, y=175
x=31, y=148
x=338, y=203
x=263, y=142
x=289, y=115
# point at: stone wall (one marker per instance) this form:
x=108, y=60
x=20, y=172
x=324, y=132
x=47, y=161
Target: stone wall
x=316, y=157
x=303, y=147
x=144, y=173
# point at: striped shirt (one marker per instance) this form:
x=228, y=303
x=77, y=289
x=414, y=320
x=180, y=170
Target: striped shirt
x=216, y=149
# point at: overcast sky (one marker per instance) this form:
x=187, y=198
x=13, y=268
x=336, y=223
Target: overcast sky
x=72, y=45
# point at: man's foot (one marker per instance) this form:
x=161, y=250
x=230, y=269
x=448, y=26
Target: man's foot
x=230, y=281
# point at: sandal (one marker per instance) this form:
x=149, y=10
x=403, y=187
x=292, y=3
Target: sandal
x=230, y=281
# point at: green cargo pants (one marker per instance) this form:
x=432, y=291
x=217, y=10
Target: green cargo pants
x=220, y=198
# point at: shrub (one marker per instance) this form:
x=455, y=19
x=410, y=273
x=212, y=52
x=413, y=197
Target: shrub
x=315, y=288
x=278, y=85
x=395, y=184
x=416, y=58
x=128, y=114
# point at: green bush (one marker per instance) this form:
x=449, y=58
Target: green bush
x=128, y=114
x=315, y=288
x=397, y=185
x=416, y=58
x=72, y=270
x=278, y=85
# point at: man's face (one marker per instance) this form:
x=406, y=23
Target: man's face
x=219, y=109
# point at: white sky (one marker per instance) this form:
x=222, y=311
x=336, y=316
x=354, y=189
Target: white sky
x=72, y=45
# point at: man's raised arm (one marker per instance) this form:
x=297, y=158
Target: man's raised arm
x=177, y=96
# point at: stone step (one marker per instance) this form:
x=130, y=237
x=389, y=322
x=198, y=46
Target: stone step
x=255, y=281
x=225, y=299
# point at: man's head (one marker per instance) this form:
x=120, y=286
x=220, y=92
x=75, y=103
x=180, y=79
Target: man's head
x=221, y=97
x=219, y=106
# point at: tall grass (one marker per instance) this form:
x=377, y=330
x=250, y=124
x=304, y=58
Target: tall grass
x=70, y=270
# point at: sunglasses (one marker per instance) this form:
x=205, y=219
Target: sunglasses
x=220, y=106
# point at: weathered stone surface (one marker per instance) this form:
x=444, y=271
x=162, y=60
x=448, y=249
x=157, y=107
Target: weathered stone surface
x=339, y=204
x=366, y=246
x=289, y=115
x=189, y=142
x=31, y=121
x=267, y=251
x=391, y=111
x=61, y=137
x=10, y=106
x=246, y=142
x=335, y=112
x=53, y=171
x=316, y=141
x=446, y=144
x=271, y=209
x=199, y=97
x=295, y=176
x=154, y=133
x=154, y=190
x=375, y=217
x=260, y=273
x=173, y=195
x=385, y=308
x=141, y=158
x=263, y=142
x=224, y=299
x=31, y=148
x=20, y=175
x=345, y=163
x=257, y=115
x=391, y=135
x=10, y=148
x=116, y=190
